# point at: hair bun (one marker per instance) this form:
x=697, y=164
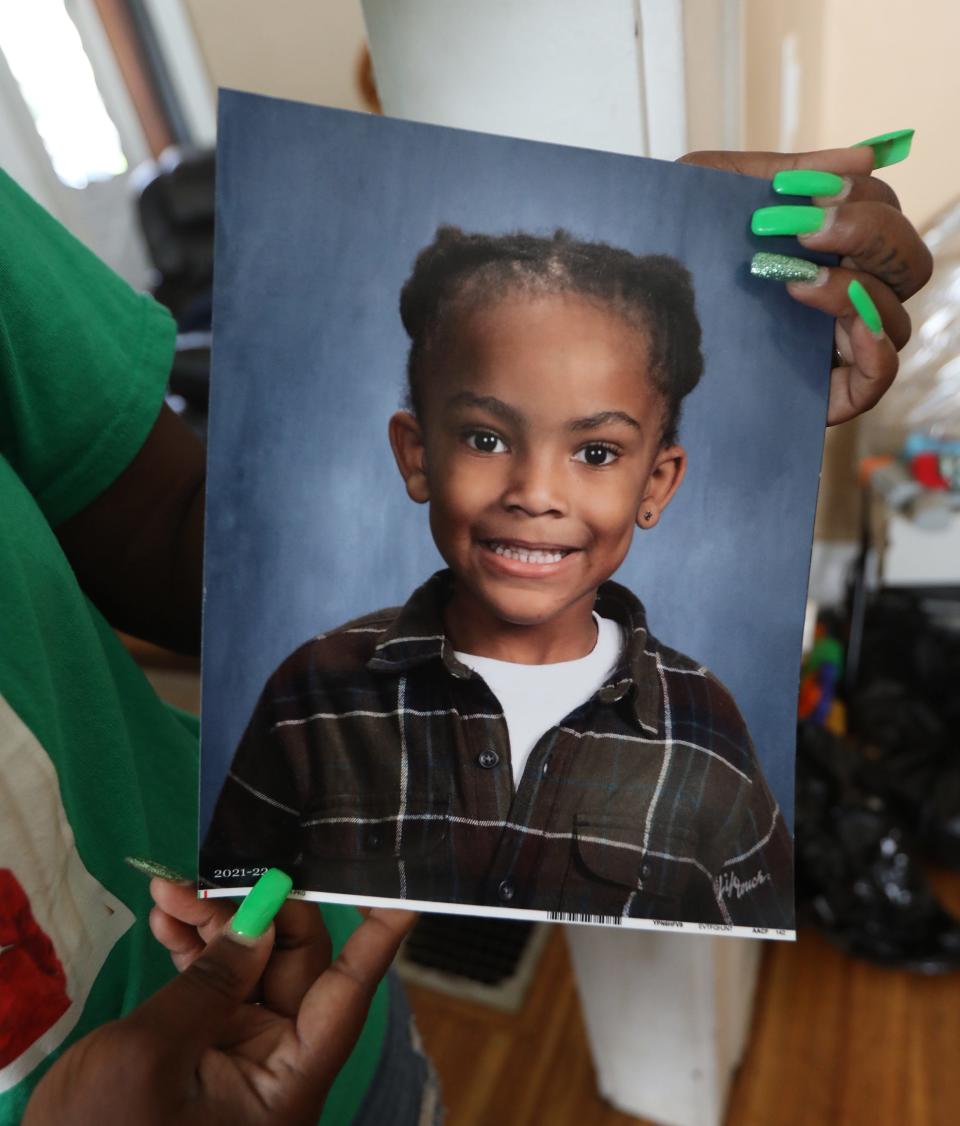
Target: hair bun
x=418, y=297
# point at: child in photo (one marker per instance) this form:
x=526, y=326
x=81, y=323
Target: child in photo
x=514, y=736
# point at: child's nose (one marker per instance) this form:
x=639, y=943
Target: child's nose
x=535, y=487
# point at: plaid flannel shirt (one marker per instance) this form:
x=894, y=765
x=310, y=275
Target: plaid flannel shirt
x=377, y=764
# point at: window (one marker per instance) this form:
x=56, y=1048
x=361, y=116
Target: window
x=46, y=57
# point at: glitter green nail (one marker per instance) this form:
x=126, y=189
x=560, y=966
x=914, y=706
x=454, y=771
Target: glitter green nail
x=889, y=148
x=783, y=268
x=787, y=220
x=863, y=303
x=154, y=868
x=263, y=901
x=804, y=181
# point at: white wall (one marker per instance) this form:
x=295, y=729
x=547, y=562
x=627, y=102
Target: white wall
x=546, y=70
x=102, y=214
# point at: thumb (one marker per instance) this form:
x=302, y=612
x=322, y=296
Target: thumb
x=856, y=160
x=191, y=1010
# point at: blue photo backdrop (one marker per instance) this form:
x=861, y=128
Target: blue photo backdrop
x=320, y=214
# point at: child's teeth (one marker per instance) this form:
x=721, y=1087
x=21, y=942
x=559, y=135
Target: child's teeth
x=526, y=556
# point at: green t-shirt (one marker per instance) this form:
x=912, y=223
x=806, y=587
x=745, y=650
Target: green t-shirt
x=93, y=765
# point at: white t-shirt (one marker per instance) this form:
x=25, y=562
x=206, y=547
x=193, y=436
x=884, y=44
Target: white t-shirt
x=535, y=698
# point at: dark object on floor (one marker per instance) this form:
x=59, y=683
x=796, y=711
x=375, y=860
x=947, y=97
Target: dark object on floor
x=858, y=875
x=909, y=759
x=912, y=638
x=484, y=950
x=487, y=961
x=904, y=713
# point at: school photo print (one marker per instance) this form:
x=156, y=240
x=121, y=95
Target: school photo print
x=512, y=475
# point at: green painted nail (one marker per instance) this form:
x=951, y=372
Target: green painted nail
x=802, y=181
x=863, y=303
x=787, y=220
x=889, y=148
x=783, y=268
x=154, y=868
x=263, y=901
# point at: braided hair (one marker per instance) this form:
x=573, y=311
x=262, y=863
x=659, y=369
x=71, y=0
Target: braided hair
x=653, y=293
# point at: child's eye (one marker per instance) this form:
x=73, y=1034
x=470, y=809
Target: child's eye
x=597, y=454
x=485, y=442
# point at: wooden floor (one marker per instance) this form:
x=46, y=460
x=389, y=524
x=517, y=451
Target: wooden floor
x=531, y=1068
x=835, y=1042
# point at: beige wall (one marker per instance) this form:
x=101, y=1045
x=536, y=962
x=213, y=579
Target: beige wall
x=888, y=66
x=767, y=26
x=301, y=49
x=866, y=68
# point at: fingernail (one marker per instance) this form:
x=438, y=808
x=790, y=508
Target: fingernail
x=783, y=268
x=863, y=303
x=889, y=148
x=154, y=868
x=263, y=901
x=787, y=220
x=803, y=181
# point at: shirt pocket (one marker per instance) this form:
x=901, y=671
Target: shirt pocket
x=611, y=852
x=369, y=834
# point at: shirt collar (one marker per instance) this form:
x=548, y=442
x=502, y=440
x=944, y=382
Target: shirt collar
x=417, y=636
x=637, y=670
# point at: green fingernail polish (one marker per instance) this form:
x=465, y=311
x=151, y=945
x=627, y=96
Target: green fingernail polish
x=783, y=268
x=263, y=901
x=889, y=148
x=153, y=868
x=863, y=303
x=802, y=181
x=787, y=220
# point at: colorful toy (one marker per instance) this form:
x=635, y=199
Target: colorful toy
x=819, y=679
x=934, y=462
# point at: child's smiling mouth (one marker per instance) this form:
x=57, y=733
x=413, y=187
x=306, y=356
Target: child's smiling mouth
x=535, y=554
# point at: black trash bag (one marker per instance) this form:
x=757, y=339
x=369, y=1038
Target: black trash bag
x=859, y=878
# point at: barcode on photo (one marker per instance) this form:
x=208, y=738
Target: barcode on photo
x=579, y=917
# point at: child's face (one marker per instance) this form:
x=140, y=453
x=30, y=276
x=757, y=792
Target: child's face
x=539, y=452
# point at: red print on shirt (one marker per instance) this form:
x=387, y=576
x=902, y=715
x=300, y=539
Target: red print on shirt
x=33, y=985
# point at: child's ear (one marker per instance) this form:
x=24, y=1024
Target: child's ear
x=406, y=441
x=669, y=467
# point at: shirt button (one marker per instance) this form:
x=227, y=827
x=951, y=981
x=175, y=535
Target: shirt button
x=507, y=891
x=645, y=872
x=374, y=838
x=488, y=759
